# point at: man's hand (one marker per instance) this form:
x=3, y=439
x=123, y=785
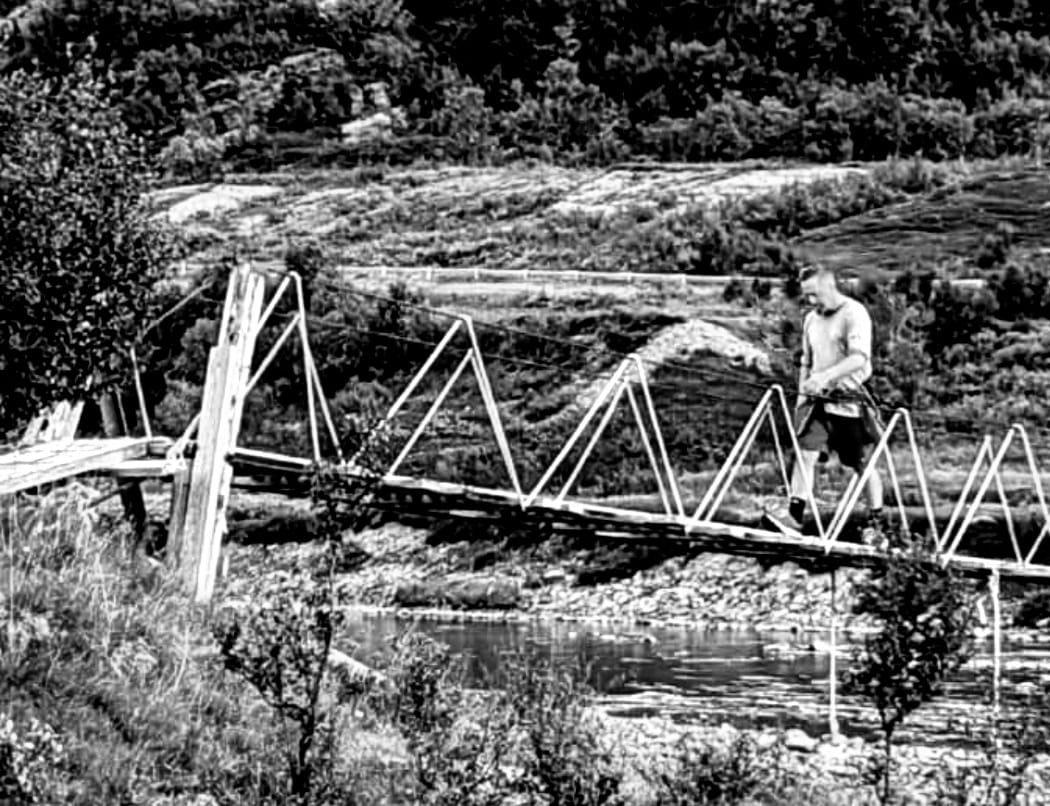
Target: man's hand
x=815, y=384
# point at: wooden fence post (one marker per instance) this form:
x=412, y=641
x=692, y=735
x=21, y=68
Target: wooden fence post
x=229, y=366
x=130, y=496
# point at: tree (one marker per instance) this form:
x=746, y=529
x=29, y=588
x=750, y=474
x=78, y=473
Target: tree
x=924, y=613
x=79, y=254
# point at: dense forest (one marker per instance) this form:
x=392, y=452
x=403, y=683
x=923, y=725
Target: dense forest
x=572, y=80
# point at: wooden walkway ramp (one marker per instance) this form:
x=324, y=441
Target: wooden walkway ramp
x=52, y=461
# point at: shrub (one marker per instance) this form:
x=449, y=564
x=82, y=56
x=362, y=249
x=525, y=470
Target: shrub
x=28, y=759
x=565, y=760
x=925, y=617
x=465, y=121
x=281, y=648
x=1034, y=609
x=711, y=773
x=567, y=117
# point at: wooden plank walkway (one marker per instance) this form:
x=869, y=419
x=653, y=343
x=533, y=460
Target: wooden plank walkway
x=465, y=501
x=48, y=462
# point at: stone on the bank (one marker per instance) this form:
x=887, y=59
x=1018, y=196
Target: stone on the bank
x=467, y=593
x=553, y=575
x=796, y=739
x=351, y=668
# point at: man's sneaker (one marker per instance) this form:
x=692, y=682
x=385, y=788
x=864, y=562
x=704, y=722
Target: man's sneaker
x=877, y=530
x=779, y=517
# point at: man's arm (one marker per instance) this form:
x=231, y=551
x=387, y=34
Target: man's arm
x=806, y=365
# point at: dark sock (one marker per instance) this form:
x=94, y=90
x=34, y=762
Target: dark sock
x=797, y=508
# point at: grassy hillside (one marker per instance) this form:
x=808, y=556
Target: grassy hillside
x=707, y=219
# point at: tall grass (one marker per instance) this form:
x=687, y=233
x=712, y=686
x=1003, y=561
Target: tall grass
x=113, y=691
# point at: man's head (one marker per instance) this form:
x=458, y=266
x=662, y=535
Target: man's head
x=819, y=287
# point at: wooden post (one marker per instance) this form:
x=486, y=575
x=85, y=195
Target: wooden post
x=997, y=644
x=180, y=489
x=229, y=366
x=833, y=712
x=131, y=495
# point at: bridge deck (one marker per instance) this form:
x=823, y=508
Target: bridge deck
x=459, y=500
x=48, y=462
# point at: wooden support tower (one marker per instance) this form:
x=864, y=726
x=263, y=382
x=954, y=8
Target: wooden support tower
x=197, y=547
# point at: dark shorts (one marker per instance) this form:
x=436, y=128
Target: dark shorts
x=846, y=437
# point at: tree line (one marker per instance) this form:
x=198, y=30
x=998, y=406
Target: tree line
x=592, y=80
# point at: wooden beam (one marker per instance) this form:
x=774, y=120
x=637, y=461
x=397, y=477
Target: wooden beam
x=131, y=495
x=48, y=462
x=180, y=497
x=229, y=366
x=144, y=469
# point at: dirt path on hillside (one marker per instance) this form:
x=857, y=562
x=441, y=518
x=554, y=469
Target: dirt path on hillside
x=673, y=343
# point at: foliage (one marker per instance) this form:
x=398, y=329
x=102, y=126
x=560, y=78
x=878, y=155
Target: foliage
x=1012, y=740
x=566, y=117
x=281, y=648
x=98, y=648
x=281, y=645
x=28, y=757
x=532, y=735
x=705, y=773
x=925, y=616
x=1034, y=609
x=566, y=762
x=563, y=79
x=78, y=255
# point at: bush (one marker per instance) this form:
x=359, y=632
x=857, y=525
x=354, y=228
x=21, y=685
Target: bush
x=565, y=761
x=1034, y=609
x=925, y=618
x=704, y=773
x=567, y=117
x=78, y=252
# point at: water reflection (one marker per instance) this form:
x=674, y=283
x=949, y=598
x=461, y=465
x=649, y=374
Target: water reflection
x=690, y=674
x=660, y=657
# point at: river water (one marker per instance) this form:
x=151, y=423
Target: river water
x=694, y=675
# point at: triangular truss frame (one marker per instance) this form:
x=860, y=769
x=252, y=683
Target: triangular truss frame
x=629, y=373
x=472, y=358
x=766, y=411
x=967, y=509
x=316, y=400
x=901, y=419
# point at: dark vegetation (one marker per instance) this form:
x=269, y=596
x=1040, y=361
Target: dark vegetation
x=78, y=255
x=925, y=615
x=568, y=80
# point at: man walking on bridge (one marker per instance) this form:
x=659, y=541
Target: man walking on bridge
x=829, y=416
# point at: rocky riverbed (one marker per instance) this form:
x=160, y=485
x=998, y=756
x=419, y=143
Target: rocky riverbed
x=471, y=575
x=407, y=568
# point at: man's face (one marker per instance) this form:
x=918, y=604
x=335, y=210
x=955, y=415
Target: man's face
x=819, y=291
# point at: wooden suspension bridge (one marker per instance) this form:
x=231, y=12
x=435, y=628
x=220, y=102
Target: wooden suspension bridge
x=201, y=463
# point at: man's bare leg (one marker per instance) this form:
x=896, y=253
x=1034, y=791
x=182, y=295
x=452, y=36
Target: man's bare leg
x=875, y=497
x=802, y=483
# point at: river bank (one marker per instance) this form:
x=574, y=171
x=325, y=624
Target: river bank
x=460, y=575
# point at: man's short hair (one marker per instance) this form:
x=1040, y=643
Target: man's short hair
x=808, y=270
